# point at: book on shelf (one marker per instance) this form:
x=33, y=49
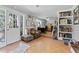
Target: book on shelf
x=65, y=21
x=67, y=13
x=65, y=28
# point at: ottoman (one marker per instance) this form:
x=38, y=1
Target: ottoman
x=27, y=38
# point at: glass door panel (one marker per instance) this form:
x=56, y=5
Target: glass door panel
x=2, y=26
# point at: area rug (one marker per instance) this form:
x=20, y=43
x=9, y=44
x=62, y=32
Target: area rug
x=22, y=48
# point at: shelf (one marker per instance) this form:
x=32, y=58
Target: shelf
x=61, y=38
x=64, y=32
x=65, y=13
x=65, y=24
x=65, y=16
x=67, y=38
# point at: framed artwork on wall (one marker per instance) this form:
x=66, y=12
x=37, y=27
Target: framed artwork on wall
x=76, y=15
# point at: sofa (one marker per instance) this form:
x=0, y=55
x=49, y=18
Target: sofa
x=35, y=33
x=31, y=35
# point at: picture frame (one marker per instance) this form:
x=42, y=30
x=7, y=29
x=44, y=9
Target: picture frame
x=76, y=15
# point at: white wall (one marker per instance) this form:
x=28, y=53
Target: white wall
x=75, y=33
x=51, y=20
x=41, y=23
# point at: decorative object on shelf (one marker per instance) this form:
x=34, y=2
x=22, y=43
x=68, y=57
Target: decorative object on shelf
x=65, y=28
x=65, y=21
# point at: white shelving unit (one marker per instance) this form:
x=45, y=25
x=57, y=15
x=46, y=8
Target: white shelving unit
x=74, y=16
x=65, y=23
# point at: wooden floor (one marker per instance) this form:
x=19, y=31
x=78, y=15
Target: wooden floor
x=44, y=44
x=47, y=44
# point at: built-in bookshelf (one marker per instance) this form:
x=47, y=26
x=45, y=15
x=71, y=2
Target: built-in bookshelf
x=65, y=24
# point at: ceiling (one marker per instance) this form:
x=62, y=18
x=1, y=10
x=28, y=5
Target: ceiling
x=40, y=10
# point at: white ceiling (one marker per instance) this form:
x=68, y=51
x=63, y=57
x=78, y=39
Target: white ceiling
x=42, y=10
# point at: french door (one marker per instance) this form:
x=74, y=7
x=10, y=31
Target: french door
x=12, y=28
x=2, y=28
